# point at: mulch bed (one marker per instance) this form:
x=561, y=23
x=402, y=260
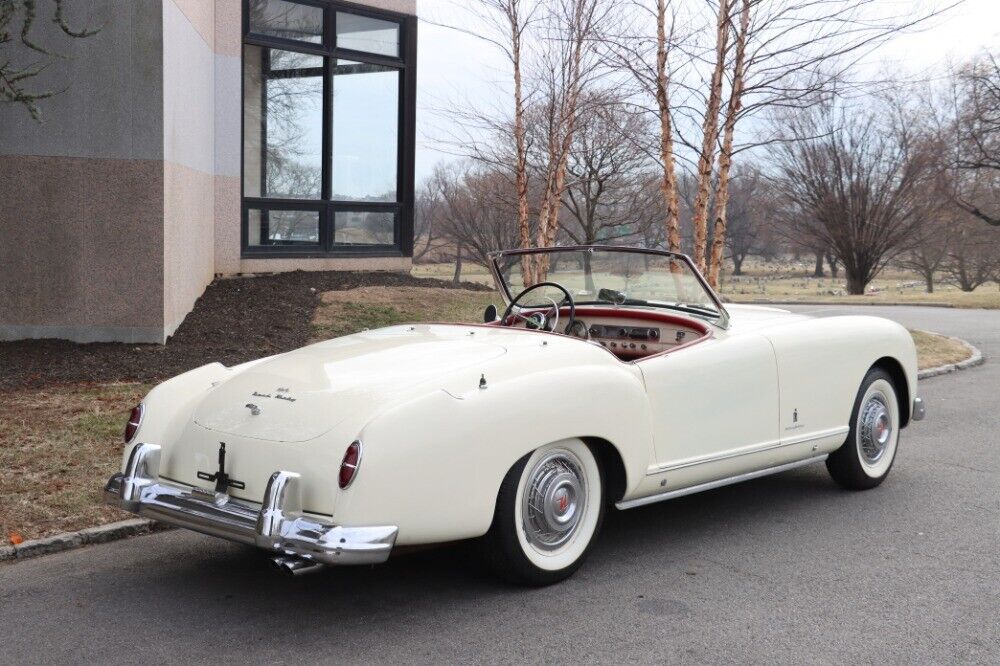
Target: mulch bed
x=236, y=320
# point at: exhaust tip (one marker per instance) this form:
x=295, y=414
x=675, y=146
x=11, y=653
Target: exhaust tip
x=293, y=566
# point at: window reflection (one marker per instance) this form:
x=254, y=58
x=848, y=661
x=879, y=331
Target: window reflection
x=283, y=127
x=360, y=228
x=361, y=33
x=283, y=228
x=365, y=132
x=287, y=20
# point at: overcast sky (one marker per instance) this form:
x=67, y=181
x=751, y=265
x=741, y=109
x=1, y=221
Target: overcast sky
x=456, y=68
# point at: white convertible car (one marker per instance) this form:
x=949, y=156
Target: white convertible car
x=619, y=380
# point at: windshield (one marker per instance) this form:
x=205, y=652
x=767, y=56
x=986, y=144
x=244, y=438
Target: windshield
x=612, y=276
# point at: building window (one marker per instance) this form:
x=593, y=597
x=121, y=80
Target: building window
x=328, y=116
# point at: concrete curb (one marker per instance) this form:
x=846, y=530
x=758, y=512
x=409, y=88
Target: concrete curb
x=87, y=536
x=975, y=358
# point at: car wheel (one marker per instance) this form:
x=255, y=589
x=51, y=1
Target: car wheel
x=864, y=460
x=549, y=510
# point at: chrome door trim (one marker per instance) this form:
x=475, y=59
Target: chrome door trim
x=747, y=451
x=690, y=490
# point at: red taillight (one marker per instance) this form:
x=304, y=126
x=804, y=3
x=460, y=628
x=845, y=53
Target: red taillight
x=349, y=466
x=134, y=419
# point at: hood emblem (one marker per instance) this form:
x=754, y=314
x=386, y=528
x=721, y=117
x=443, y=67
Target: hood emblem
x=254, y=409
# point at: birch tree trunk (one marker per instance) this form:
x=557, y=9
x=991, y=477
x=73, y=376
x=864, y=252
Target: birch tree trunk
x=726, y=152
x=668, y=185
x=710, y=135
x=561, y=133
x=520, y=140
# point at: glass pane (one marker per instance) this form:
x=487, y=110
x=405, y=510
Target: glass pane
x=365, y=132
x=616, y=277
x=282, y=124
x=288, y=20
x=283, y=228
x=370, y=228
x=360, y=33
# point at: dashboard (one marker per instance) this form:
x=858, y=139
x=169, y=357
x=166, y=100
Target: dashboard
x=635, y=338
x=631, y=333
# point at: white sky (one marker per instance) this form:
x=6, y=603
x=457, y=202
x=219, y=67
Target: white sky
x=458, y=69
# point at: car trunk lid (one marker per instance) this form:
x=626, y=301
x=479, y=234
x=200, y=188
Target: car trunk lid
x=299, y=396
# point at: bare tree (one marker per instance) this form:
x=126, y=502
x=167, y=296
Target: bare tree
x=977, y=128
x=850, y=180
x=710, y=135
x=568, y=65
x=648, y=64
x=513, y=18
x=927, y=257
x=726, y=150
x=478, y=211
x=607, y=175
x=551, y=49
x=748, y=200
x=428, y=215
x=972, y=259
x=20, y=16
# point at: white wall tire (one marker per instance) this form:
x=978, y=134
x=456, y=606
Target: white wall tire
x=549, y=509
x=865, y=458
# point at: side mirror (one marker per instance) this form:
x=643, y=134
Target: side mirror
x=490, y=315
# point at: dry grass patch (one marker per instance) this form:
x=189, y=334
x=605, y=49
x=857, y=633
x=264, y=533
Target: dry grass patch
x=57, y=448
x=353, y=310
x=934, y=350
x=791, y=281
x=984, y=297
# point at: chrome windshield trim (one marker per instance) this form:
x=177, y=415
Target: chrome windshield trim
x=722, y=320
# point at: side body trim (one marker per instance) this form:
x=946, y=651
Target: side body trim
x=690, y=490
x=750, y=450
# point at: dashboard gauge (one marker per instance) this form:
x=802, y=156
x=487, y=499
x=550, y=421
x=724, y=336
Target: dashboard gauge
x=579, y=329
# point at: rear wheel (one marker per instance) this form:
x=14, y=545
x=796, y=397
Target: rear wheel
x=549, y=509
x=864, y=460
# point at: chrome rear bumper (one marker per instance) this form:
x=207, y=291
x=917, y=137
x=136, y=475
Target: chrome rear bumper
x=919, y=410
x=276, y=525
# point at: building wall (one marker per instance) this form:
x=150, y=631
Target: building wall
x=188, y=155
x=81, y=215
x=120, y=208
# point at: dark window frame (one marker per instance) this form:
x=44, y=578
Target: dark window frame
x=327, y=208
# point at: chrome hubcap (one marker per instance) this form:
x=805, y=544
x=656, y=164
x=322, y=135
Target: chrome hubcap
x=875, y=429
x=554, y=501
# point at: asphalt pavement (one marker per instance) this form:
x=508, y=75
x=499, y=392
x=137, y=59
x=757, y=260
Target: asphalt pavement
x=786, y=569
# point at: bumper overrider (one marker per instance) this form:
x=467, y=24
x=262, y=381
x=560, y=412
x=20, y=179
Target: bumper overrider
x=276, y=525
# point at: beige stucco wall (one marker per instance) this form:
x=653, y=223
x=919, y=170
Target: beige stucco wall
x=81, y=256
x=188, y=156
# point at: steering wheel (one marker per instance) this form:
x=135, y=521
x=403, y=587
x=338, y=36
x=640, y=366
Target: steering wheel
x=541, y=319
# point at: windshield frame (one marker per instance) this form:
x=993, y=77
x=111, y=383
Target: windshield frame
x=721, y=322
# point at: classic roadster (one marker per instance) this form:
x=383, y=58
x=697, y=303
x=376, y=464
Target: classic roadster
x=617, y=379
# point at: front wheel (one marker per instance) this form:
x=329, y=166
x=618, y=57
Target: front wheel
x=864, y=460
x=549, y=510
